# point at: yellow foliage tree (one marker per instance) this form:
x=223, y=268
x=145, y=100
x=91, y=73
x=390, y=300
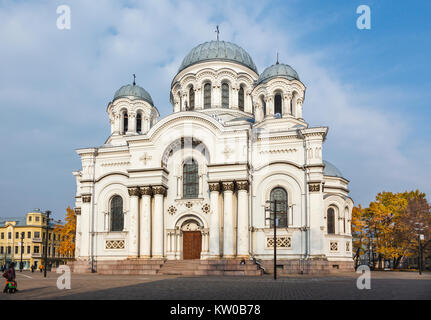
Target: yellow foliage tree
x=67, y=234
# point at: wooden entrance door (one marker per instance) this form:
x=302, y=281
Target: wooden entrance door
x=192, y=244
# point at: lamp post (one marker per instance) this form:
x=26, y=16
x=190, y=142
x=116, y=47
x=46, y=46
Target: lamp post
x=274, y=219
x=46, y=241
x=22, y=249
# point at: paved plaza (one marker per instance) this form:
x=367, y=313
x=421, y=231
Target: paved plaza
x=384, y=285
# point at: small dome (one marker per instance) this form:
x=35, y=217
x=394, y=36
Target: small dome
x=278, y=70
x=134, y=91
x=331, y=170
x=218, y=50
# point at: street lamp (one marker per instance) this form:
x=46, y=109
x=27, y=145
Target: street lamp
x=269, y=205
x=420, y=237
x=22, y=249
x=46, y=241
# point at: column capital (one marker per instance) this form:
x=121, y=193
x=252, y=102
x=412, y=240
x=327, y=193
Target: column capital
x=242, y=185
x=159, y=190
x=146, y=191
x=228, y=186
x=134, y=192
x=86, y=198
x=214, y=186
x=78, y=211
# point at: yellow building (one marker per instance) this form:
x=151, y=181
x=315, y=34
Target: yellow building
x=24, y=238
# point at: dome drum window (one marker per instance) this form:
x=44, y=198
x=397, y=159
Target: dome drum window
x=225, y=95
x=207, y=96
x=241, y=98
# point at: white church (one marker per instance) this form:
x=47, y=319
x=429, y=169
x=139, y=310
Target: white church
x=197, y=185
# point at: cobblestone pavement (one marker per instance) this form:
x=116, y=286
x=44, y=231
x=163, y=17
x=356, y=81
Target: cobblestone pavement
x=384, y=285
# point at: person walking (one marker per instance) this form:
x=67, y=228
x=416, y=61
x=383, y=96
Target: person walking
x=9, y=275
x=32, y=268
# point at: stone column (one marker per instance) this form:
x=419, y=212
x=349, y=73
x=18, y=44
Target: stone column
x=134, y=194
x=85, y=226
x=158, y=228
x=243, y=224
x=78, y=232
x=228, y=188
x=270, y=106
x=214, y=220
x=299, y=108
x=145, y=223
x=131, y=124
x=286, y=105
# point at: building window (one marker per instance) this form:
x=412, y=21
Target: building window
x=125, y=122
x=280, y=195
x=207, y=96
x=36, y=249
x=263, y=106
x=1, y=250
x=2, y=235
x=37, y=234
x=9, y=235
x=117, y=215
x=9, y=250
x=28, y=249
x=16, y=235
x=29, y=218
x=191, y=99
x=190, y=179
x=225, y=95
x=37, y=219
x=139, y=122
x=277, y=104
x=331, y=220
x=241, y=98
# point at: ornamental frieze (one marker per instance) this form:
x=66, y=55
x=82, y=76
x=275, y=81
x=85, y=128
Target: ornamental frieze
x=314, y=187
x=228, y=186
x=242, y=185
x=159, y=190
x=134, y=192
x=214, y=186
x=146, y=191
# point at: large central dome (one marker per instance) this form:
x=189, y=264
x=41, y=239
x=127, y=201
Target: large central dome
x=218, y=50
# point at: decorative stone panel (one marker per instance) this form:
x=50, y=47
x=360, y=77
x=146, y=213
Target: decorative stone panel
x=314, y=187
x=206, y=208
x=86, y=198
x=172, y=210
x=114, y=244
x=333, y=246
x=284, y=242
x=348, y=246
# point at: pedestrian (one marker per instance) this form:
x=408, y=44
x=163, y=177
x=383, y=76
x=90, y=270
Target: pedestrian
x=9, y=275
x=32, y=268
x=40, y=268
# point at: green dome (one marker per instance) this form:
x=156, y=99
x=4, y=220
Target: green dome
x=331, y=170
x=278, y=70
x=218, y=50
x=134, y=91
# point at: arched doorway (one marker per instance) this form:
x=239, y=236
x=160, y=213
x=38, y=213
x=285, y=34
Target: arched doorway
x=192, y=240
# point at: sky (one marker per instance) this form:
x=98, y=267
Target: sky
x=371, y=87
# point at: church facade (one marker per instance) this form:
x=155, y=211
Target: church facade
x=202, y=182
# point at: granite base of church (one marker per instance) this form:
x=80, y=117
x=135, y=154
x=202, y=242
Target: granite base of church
x=221, y=267
x=315, y=266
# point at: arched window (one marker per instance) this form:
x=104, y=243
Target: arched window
x=139, y=122
x=225, y=95
x=277, y=104
x=281, y=208
x=263, y=106
x=207, y=96
x=117, y=215
x=330, y=217
x=190, y=179
x=125, y=122
x=191, y=99
x=241, y=98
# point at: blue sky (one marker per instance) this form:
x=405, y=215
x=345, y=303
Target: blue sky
x=371, y=87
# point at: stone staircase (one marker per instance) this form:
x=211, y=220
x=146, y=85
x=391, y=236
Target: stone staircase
x=129, y=266
x=210, y=268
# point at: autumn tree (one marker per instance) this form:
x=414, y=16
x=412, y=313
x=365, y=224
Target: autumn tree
x=67, y=234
